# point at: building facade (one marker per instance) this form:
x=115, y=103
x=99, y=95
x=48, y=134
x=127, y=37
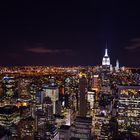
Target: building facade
x=128, y=109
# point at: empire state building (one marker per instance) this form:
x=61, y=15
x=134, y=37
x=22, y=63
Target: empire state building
x=106, y=59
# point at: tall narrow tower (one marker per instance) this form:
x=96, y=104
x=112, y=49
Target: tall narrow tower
x=83, y=96
x=117, y=65
x=106, y=59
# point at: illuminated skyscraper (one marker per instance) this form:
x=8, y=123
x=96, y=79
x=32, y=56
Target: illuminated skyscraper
x=51, y=91
x=23, y=88
x=128, y=109
x=117, y=66
x=95, y=82
x=106, y=59
x=9, y=86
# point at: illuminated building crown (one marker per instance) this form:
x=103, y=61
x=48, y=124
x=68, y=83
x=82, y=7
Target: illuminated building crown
x=106, y=59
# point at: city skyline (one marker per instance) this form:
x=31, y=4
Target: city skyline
x=69, y=33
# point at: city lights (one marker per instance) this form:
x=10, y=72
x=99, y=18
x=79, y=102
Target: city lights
x=70, y=70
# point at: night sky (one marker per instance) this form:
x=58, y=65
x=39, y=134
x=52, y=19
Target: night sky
x=69, y=33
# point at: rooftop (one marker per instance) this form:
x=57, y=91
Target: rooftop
x=8, y=109
x=65, y=127
x=83, y=119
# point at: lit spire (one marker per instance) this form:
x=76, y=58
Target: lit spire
x=117, y=66
x=106, y=50
x=117, y=63
x=106, y=59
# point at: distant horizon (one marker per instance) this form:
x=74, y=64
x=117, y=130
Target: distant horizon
x=64, y=66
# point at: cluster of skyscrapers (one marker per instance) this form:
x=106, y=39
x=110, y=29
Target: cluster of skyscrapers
x=77, y=103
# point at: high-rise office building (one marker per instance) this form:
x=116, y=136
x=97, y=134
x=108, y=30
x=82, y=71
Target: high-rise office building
x=83, y=96
x=68, y=90
x=51, y=91
x=23, y=88
x=91, y=98
x=106, y=59
x=129, y=109
x=9, y=86
x=95, y=82
x=82, y=128
x=48, y=108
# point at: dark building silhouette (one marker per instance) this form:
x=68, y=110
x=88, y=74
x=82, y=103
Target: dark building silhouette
x=113, y=128
x=83, y=96
x=48, y=108
x=64, y=132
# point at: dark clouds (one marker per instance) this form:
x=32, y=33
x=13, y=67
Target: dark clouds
x=134, y=45
x=42, y=50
